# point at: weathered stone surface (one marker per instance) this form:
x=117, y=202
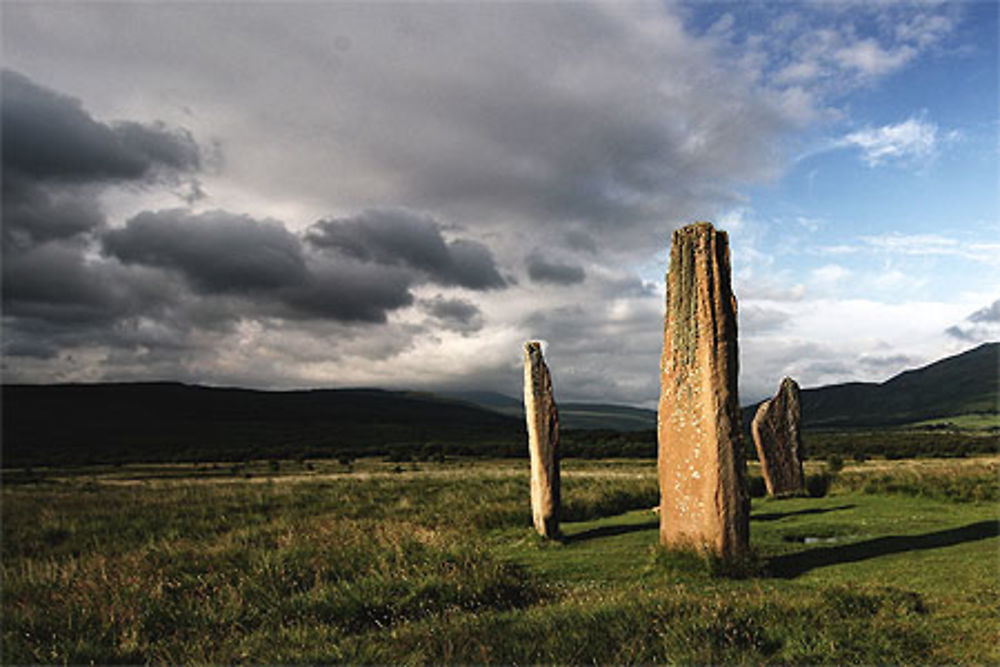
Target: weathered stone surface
x=776, y=436
x=702, y=467
x=543, y=440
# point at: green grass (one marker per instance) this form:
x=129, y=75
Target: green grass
x=378, y=562
x=976, y=421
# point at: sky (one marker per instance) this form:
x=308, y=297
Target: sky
x=332, y=194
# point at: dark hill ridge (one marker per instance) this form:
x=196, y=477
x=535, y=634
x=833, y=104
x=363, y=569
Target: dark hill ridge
x=574, y=416
x=173, y=421
x=962, y=384
x=80, y=423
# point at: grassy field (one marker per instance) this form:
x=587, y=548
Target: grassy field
x=982, y=420
x=411, y=563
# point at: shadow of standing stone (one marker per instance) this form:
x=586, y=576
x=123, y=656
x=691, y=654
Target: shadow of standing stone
x=776, y=436
x=704, y=504
x=543, y=441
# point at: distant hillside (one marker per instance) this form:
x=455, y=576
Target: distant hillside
x=967, y=383
x=572, y=416
x=603, y=416
x=170, y=421
x=117, y=423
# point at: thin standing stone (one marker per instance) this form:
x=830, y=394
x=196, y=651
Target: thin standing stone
x=543, y=440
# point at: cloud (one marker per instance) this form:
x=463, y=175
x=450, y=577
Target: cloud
x=58, y=160
x=541, y=270
x=982, y=325
x=455, y=314
x=809, y=56
x=55, y=283
x=912, y=139
x=216, y=251
x=347, y=292
x=929, y=245
x=33, y=214
x=396, y=237
x=756, y=319
x=223, y=253
x=528, y=116
x=49, y=136
x=869, y=58
x=990, y=313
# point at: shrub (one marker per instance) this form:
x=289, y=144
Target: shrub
x=818, y=485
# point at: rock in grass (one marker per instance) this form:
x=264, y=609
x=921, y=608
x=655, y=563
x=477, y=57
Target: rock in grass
x=543, y=440
x=776, y=436
x=702, y=468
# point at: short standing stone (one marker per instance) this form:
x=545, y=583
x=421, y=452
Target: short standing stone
x=543, y=441
x=776, y=435
x=702, y=467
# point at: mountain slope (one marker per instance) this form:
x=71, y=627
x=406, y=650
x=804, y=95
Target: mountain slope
x=572, y=416
x=966, y=383
x=165, y=421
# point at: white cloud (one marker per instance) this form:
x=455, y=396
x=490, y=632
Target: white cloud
x=909, y=140
x=925, y=29
x=829, y=274
x=825, y=341
x=982, y=325
x=932, y=245
x=809, y=55
x=870, y=59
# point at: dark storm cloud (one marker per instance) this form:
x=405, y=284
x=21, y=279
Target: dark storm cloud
x=224, y=253
x=55, y=299
x=217, y=251
x=348, y=291
x=577, y=240
x=33, y=214
x=541, y=270
x=54, y=283
x=396, y=237
x=49, y=136
x=57, y=159
x=455, y=314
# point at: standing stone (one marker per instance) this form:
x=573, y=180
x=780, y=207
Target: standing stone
x=776, y=435
x=543, y=441
x=702, y=468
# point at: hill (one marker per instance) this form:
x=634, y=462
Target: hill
x=964, y=384
x=572, y=416
x=113, y=423
x=118, y=423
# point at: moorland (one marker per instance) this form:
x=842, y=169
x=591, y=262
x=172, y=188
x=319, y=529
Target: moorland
x=387, y=562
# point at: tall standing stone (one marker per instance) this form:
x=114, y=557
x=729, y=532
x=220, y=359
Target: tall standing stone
x=776, y=436
x=543, y=441
x=704, y=503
